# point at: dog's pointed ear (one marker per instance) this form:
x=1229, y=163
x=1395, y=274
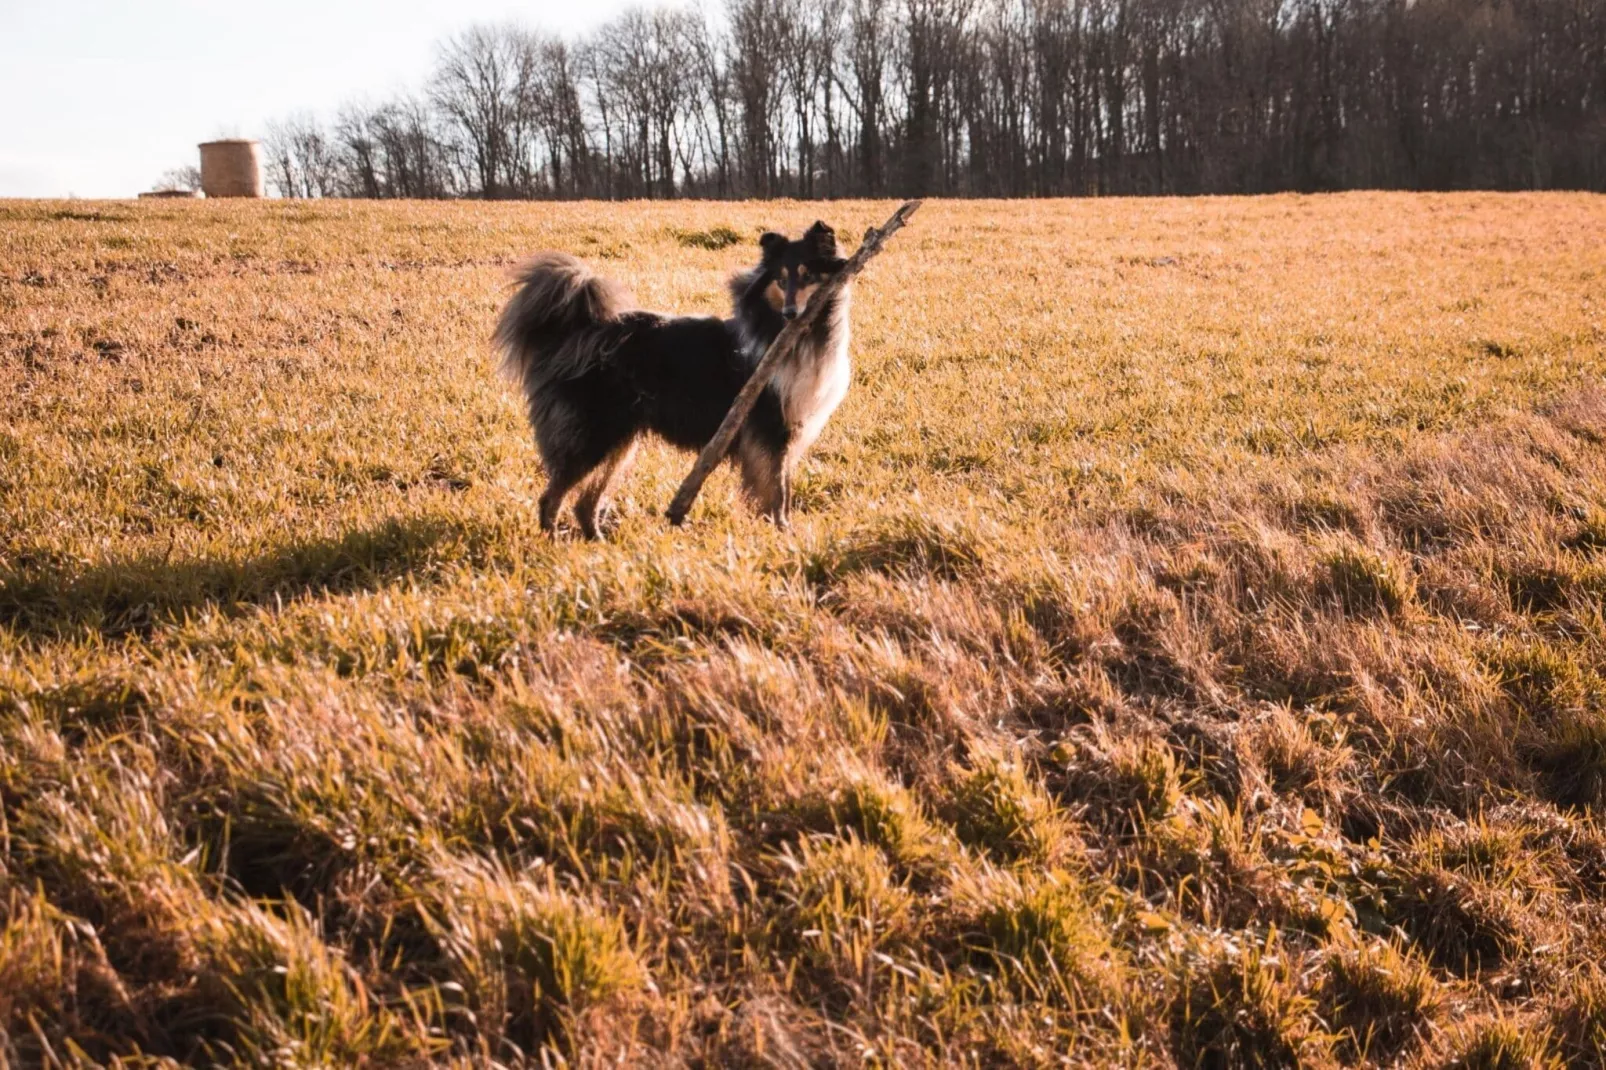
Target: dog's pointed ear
x=821, y=238
x=772, y=243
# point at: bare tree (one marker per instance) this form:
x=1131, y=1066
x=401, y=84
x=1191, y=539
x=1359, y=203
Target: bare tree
x=713, y=107
x=300, y=157
x=864, y=84
x=187, y=177
x=359, y=148
x=553, y=99
x=480, y=86
x=758, y=35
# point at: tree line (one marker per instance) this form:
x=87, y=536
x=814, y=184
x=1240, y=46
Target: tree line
x=853, y=98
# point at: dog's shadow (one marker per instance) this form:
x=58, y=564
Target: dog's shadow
x=44, y=600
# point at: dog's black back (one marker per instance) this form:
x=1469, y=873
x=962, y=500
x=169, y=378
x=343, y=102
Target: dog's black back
x=673, y=375
x=597, y=374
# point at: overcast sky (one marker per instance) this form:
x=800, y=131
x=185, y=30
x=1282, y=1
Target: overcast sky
x=102, y=96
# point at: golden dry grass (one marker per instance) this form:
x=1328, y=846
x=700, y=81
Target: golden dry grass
x=1189, y=650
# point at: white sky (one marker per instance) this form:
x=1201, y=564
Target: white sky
x=99, y=97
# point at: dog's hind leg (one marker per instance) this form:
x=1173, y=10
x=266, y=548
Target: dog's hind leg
x=593, y=499
x=570, y=449
x=559, y=483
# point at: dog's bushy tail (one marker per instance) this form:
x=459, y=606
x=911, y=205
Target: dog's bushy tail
x=549, y=330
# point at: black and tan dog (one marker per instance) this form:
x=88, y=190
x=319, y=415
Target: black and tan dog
x=598, y=373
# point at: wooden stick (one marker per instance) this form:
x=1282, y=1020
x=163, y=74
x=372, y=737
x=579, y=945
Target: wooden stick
x=718, y=446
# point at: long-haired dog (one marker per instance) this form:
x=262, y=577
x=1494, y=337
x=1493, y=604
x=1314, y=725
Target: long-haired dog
x=598, y=373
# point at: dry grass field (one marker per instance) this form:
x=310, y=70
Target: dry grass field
x=1190, y=649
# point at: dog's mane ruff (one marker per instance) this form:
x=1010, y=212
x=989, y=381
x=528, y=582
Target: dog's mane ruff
x=548, y=331
x=743, y=281
x=745, y=287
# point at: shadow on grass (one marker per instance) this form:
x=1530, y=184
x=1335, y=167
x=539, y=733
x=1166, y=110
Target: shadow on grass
x=137, y=594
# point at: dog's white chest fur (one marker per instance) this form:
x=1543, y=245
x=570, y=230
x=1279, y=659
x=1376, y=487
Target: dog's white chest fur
x=813, y=383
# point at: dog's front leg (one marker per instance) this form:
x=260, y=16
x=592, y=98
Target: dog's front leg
x=783, y=504
x=764, y=478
